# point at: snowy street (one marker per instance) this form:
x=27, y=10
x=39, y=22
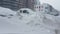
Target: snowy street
x=12, y=24
x=30, y=23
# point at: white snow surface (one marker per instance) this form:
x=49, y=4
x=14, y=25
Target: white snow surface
x=12, y=24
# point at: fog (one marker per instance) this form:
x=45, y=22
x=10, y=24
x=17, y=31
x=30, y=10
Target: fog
x=54, y=3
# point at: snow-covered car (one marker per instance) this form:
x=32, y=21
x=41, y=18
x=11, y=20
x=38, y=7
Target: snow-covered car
x=25, y=11
x=26, y=14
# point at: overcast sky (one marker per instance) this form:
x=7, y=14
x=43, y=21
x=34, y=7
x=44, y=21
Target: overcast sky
x=54, y=3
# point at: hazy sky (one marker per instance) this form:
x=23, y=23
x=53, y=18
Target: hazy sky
x=54, y=3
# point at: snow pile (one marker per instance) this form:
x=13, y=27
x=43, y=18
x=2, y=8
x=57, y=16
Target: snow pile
x=5, y=12
x=25, y=18
x=7, y=25
x=51, y=21
x=50, y=16
x=49, y=9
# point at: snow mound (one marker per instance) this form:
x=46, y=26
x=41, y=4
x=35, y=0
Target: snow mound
x=50, y=16
x=7, y=25
x=51, y=21
x=25, y=17
x=5, y=12
x=49, y=9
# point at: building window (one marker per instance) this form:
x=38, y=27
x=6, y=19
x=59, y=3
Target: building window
x=39, y=6
x=46, y=7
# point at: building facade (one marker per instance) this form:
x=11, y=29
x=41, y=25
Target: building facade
x=17, y=4
x=37, y=5
x=12, y=4
x=31, y=4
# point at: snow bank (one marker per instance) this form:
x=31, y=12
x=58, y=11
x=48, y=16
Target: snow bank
x=13, y=25
x=36, y=22
x=6, y=11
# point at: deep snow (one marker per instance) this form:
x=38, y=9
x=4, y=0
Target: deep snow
x=12, y=24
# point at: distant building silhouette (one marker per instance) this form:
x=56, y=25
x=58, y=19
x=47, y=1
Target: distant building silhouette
x=17, y=4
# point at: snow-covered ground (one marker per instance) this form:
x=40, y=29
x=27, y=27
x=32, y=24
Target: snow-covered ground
x=51, y=16
x=10, y=23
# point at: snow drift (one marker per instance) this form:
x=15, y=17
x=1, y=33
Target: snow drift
x=38, y=20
